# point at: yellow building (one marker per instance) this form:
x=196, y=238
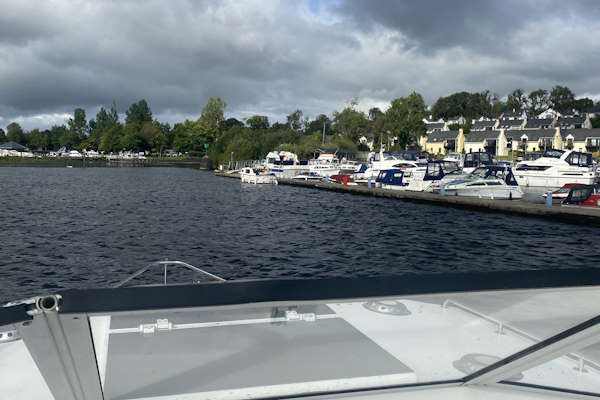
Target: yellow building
x=528, y=140
x=482, y=141
x=580, y=139
x=443, y=142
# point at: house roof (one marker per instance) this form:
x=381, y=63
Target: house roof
x=538, y=122
x=480, y=136
x=510, y=122
x=532, y=134
x=435, y=125
x=511, y=114
x=483, y=124
x=572, y=120
x=580, y=135
x=440, y=136
x=13, y=146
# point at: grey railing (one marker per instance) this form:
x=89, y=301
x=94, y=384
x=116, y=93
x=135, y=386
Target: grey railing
x=165, y=265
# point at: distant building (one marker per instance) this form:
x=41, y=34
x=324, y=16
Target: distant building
x=368, y=140
x=511, y=123
x=511, y=115
x=549, y=113
x=574, y=122
x=483, y=124
x=539, y=123
x=443, y=142
x=530, y=140
x=580, y=139
x=484, y=140
x=459, y=120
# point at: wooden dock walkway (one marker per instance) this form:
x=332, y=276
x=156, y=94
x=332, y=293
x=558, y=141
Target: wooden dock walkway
x=576, y=215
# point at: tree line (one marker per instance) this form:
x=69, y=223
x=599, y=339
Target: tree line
x=253, y=137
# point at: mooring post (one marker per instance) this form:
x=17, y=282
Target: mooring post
x=369, y=182
x=549, y=199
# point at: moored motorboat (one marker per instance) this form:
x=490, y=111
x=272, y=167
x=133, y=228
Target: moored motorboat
x=583, y=196
x=257, y=176
x=491, y=182
x=344, y=179
x=561, y=193
x=308, y=176
x=556, y=168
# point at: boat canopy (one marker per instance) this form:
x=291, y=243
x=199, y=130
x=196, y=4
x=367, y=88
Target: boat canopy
x=390, y=177
x=495, y=171
x=507, y=330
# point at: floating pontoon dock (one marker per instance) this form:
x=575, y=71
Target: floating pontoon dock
x=578, y=215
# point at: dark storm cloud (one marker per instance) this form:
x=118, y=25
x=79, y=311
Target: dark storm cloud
x=273, y=57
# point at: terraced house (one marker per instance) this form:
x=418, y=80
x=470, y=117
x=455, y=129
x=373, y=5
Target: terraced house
x=443, y=142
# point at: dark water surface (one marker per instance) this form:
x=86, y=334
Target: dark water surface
x=72, y=228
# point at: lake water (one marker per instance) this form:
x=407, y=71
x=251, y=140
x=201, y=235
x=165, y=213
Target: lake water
x=77, y=228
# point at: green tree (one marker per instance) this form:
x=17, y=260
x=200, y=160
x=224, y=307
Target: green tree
x=350, y=122
x=138, y=113
x=258, y=122
x=2, y=136
x=317, y=125
x=111, y=141
x=517, y=101
x=230, y=123
x=583, y=104
x=78, y=126
x=562, y=98
x=14, y=133
x=538, y=101
x=497, y=106
x=468, y=105
x=404, y=119
x=213, y=114
x=294, y=120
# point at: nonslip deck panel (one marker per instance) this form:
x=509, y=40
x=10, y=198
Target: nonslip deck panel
x=199, y=360
x=298, y=290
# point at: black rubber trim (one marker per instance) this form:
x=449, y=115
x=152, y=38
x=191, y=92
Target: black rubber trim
x=258, y=291
x=14, y=314
x=550, y=388
x=536, y=347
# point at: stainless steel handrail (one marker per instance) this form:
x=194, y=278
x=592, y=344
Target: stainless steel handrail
x=165, y=264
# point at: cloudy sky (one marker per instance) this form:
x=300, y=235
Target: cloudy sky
x=272, y=57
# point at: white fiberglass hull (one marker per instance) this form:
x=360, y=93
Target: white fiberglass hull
x=500, y=192
x=556, y=180
x=258, y=179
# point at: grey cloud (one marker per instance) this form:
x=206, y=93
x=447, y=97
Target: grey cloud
x=273, y=57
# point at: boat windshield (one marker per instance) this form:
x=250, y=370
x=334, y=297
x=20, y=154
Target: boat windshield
x=553, y=153
x=480, y=173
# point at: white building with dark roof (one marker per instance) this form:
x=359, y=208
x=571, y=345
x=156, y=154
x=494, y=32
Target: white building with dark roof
x=574, y=122
x=539, y=123
x=483, y=124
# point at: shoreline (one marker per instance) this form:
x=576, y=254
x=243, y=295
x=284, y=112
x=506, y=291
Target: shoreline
x=16, y=162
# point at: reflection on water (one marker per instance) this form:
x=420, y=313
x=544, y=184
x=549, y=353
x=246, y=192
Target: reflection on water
x=64, y=228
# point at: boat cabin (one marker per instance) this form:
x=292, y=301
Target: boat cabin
x=495, y=171
x=390, y=177
x=477, y=158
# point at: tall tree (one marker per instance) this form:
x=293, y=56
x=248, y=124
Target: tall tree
x=14, y=133
x=538, y=101
x=294, y=120
x=374, y=113
x=468, y=105
x=2, y=136
x=258, y=122
x=517, y=101
x=78, y=125
x=213, y=114
x=138, y=113
x=562, y=98
x=350, y=122
x=583, y=104
x=316, y=125
x=404, y=119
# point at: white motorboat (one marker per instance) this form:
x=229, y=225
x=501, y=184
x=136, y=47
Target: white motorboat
x=391, y=160
x=308, y=176
x=491, y=182
x=257, y=176
x=417, y=177
x=556, y=168
x=285, y=164
x=515, y=335
x=475, y=160
x=326, y=165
